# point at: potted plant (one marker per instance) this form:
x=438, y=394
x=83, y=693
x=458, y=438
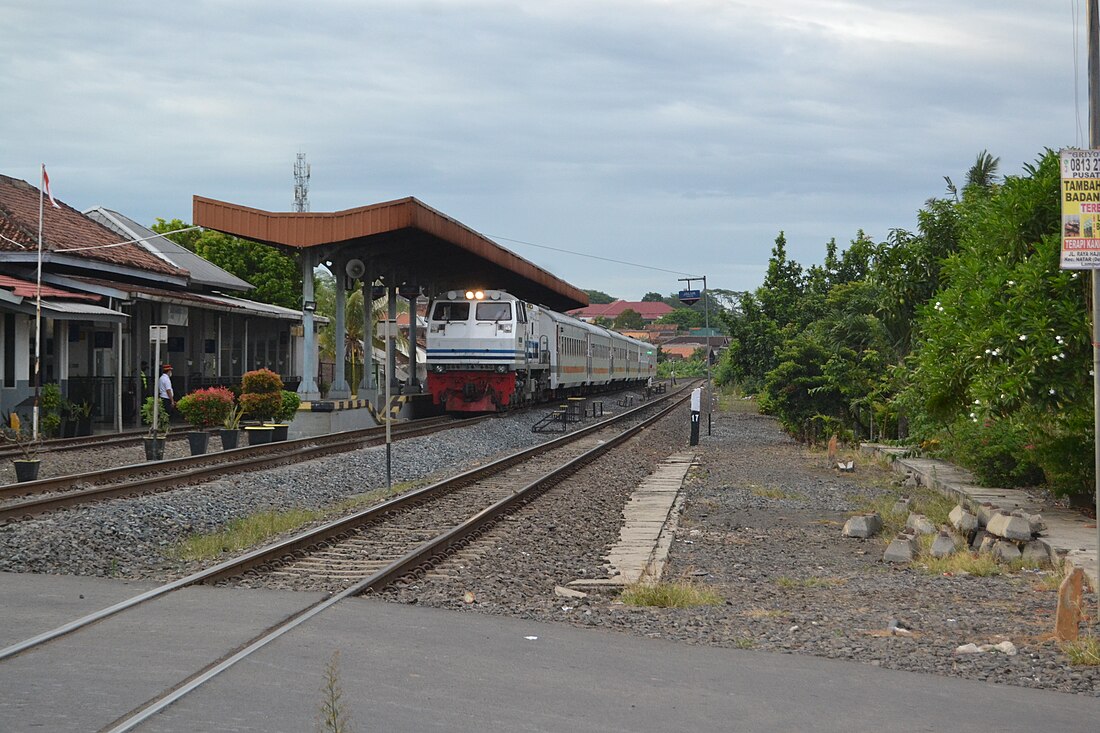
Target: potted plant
x=287, y=408
x=49, y=410
x=26, y=468
x=261, y=399
x=230, y=430
x=68, y=419
x=158, y=432
x=81, y=413
x=204, y=408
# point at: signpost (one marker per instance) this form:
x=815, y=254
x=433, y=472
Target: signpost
x=691, y=297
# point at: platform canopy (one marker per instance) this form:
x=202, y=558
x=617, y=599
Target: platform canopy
x=404, y=236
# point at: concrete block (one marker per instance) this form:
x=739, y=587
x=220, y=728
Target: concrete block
x=943, y=545
x=899, y=551
x=962, y=520
x=1006, y=551
x=920, y=524
x=1036, y=552
x=984, y=511
x=863, y=525
x=1009, y=526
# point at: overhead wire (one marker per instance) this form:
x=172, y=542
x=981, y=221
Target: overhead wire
x=583, y=254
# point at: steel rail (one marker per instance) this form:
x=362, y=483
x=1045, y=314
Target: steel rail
x=193, y=469
x=263, y=555
x=412, y=562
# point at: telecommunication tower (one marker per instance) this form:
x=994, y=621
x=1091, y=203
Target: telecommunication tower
x=301, y=183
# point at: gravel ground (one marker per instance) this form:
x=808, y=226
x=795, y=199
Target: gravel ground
x=761, y=526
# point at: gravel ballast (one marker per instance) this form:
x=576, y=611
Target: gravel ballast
x=761, y=525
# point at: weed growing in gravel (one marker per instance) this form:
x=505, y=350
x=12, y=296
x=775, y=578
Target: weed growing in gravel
x=244, y=532
x=970, y=563
x=1084, y=652
x=249, y=531
x=681, y=594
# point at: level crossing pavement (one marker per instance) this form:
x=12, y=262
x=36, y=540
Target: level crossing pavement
x=407, y=668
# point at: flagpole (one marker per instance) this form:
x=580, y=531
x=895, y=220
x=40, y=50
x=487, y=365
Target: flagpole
x=38, y=306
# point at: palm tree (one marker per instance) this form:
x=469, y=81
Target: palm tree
x=983, y=173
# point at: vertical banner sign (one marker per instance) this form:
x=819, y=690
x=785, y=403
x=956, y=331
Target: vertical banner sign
x=1080, y=209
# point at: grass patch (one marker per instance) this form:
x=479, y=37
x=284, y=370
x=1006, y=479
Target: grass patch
x=1085, y=652
x=982, y=566
x=245, y=532
x=806, y=583
x=670, y=595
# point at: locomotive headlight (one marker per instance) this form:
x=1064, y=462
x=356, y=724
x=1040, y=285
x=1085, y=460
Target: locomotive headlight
x=469, y=295
x=478, y=295
x=438, y=368
x=502, y=368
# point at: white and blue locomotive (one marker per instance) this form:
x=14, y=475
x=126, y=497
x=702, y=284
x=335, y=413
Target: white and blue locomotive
x=488, y=350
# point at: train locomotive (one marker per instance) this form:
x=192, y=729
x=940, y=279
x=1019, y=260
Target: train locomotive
x=488, y=350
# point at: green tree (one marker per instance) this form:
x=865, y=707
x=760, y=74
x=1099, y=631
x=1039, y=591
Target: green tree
x=683, y=318
x=628, y=319
x=276, y=277
x=595, y=297
x=653, y=298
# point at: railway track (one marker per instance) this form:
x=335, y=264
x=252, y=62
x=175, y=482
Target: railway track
x=433, y=523
x=97, y=440
x=53, y=493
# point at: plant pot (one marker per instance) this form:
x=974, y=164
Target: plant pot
x=198, y=440
x=280, y=430
x=26, y=470
x=84, y=426
x=68, y=428
x=154, y=449
x=259, y=434
x=229, y=438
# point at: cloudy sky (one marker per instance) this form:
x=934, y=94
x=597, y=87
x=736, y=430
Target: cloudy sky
x=678, y=134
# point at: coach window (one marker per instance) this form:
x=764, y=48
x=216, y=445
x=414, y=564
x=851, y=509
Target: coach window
x=489, y=311
x=451, y=312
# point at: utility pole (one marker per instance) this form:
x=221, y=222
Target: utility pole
x=1093, y=22
x=686, y=297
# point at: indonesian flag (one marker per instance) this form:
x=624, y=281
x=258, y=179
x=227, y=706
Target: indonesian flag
x=46, y=187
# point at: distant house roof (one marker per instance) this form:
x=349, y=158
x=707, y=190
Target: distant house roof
x=57, y=303
x=67, y=235
x=203, y=272
x=649, y=311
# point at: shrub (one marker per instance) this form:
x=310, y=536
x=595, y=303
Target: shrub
x=261, y=394
x=996, y=450
x=261, y=381
x=261, y=406
x=205, y=408
x=291, y=402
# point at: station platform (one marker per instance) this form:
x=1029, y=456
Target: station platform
x=408, y=668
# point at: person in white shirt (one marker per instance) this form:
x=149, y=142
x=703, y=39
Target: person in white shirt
x=164, y=390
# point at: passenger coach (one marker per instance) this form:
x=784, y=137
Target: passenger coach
x=488, y=350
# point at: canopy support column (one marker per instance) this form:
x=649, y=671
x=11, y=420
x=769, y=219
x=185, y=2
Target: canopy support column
x=308, y=390
x=339, y=389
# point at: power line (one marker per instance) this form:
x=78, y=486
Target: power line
x=594, y=257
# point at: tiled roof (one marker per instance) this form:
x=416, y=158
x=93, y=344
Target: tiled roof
x=649, y=311
x=65, y=230
x=27, y=289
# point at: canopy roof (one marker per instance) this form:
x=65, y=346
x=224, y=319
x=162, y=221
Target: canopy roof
x=406, y=237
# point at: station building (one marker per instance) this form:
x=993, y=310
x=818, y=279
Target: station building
x=106, y=279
